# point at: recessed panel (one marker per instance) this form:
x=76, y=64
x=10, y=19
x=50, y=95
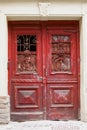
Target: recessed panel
x=61, y=96
x=27, y=96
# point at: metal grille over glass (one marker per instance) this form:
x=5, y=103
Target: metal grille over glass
x=61, y=53
x=26, y=53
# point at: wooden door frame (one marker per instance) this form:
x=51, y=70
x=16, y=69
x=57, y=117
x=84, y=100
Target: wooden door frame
x=69, y=24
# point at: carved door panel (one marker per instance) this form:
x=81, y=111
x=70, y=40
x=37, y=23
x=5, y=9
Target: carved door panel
x=62, y=79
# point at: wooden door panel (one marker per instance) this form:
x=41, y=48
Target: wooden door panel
x=62, y=103
x=26, y=101
x=26, y=74
x=62, y=114
x=61, y=56
x=62, y=71
x=26, y=61
x=26, y=97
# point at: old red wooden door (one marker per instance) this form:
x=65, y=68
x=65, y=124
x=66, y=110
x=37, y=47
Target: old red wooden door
x=44, y=70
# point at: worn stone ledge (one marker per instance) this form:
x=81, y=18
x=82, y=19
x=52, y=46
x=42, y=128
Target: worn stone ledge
x=4, y=109
x=4, y=106
x=4, y=121
x=4, y=116
x=4, y=99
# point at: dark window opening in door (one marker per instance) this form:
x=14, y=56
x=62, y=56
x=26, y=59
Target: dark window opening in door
x=26, y=43
x=26, y=53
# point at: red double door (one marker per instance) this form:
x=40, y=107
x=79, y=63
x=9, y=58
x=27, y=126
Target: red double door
x=44, y=70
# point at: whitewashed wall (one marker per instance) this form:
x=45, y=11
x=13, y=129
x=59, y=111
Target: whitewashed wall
x=44, y=10
x=31, y=8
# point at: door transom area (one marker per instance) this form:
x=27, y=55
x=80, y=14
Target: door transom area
x=44, y=70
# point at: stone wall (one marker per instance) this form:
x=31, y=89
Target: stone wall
x=4, y=109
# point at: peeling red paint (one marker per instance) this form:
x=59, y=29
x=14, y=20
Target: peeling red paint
x=43, y=81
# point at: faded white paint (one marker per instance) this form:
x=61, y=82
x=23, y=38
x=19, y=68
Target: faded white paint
x=58, y=10
x=30, y=8
x=3, y=55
